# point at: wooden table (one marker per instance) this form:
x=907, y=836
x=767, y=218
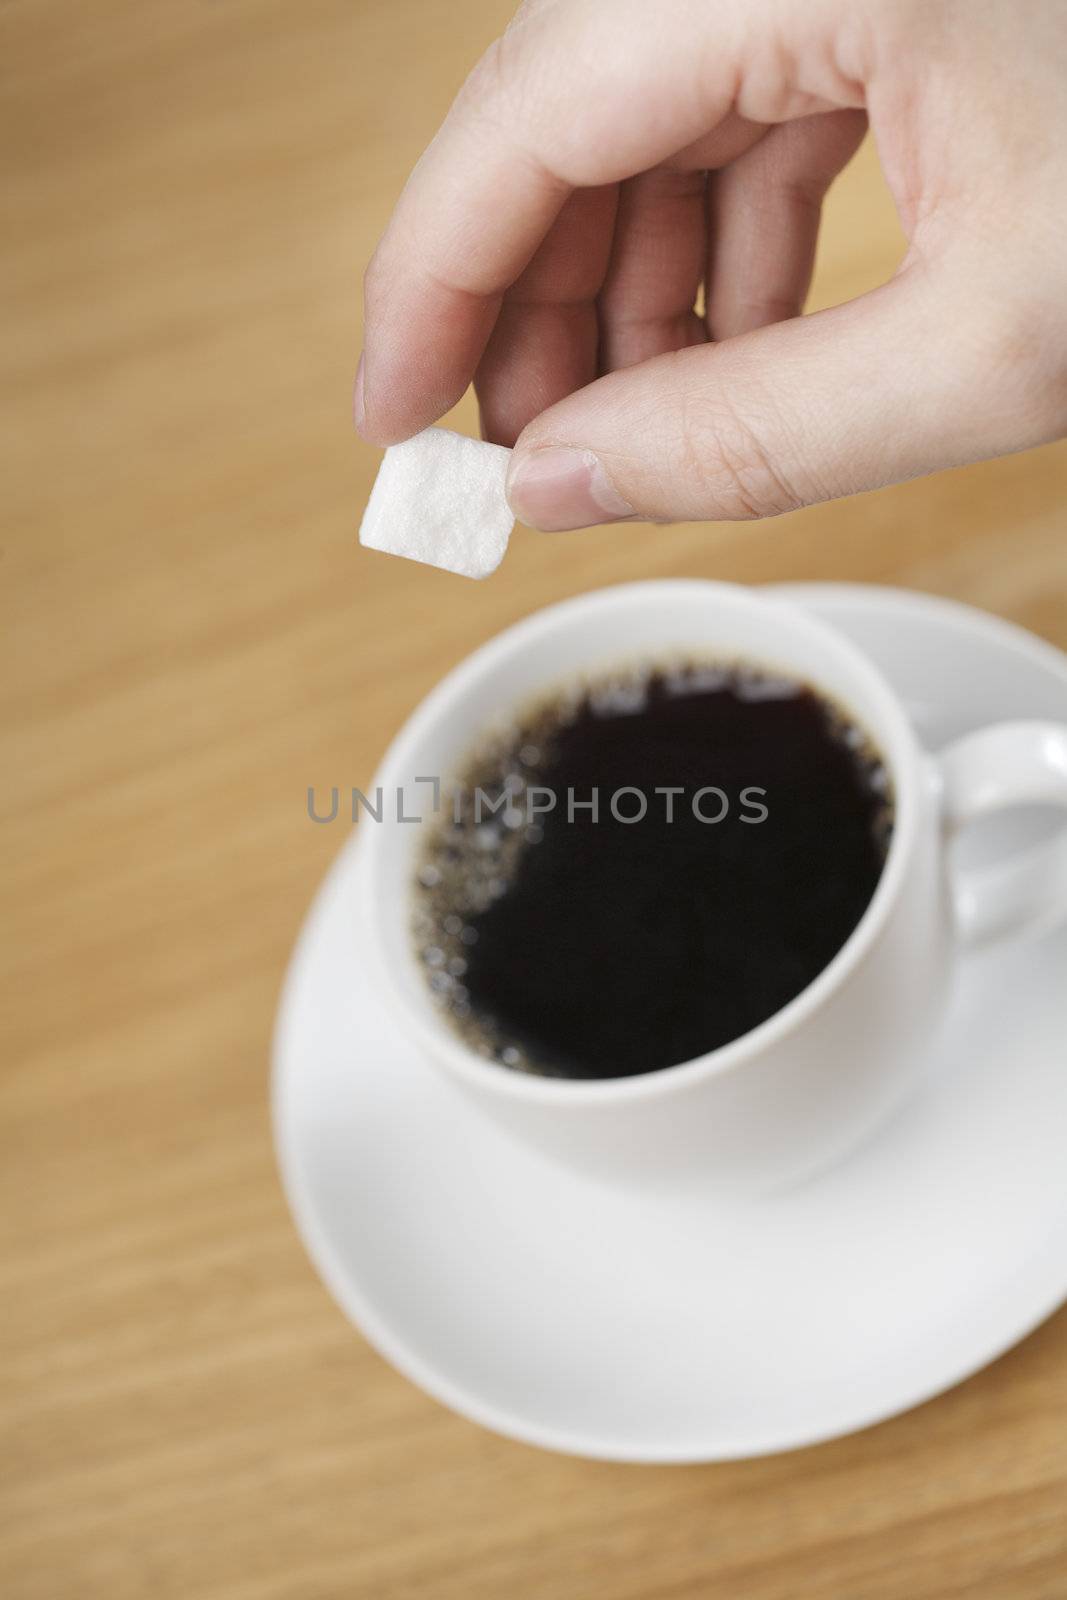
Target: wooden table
x=192, y=638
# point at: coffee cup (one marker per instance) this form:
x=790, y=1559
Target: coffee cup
x=811, y=1081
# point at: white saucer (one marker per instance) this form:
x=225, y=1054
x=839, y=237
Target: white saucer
x=659, y=1327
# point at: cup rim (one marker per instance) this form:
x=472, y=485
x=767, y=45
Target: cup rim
x=895, y=737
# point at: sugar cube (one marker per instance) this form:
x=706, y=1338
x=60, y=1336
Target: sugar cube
x=439, y=498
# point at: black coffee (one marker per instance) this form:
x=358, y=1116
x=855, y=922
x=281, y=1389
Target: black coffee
x=740, y=826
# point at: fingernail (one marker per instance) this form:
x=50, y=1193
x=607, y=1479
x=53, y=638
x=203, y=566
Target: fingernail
x=558, y=487
x=359, y=405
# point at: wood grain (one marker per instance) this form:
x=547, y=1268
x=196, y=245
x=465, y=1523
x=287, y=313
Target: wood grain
x=191, y=638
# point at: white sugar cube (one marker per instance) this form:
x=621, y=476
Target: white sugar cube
x=439, y=498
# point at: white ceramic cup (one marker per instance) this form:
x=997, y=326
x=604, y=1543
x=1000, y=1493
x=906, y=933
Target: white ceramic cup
x=803, y=1086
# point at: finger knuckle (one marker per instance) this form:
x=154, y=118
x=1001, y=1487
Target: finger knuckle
x=723, y=451
x=492, y=91
x=1026, y=369
x=1008, y=355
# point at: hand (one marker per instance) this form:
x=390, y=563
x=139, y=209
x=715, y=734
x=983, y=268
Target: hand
x=608, y=157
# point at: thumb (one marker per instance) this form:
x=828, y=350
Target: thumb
x=881, y=389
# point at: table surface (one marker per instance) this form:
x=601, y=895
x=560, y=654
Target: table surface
x=193, y=637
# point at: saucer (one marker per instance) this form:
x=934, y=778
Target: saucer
x=651, y=1325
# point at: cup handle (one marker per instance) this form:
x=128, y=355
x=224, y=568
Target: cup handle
x=1008, y=764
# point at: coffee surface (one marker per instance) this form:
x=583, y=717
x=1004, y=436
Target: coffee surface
x=600, y=941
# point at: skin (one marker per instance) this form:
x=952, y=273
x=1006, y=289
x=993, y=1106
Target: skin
x=608, y=159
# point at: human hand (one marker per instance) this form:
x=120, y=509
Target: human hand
x=608, y=157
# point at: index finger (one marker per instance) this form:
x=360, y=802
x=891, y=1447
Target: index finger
x=470, y=218
x=571, y=96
